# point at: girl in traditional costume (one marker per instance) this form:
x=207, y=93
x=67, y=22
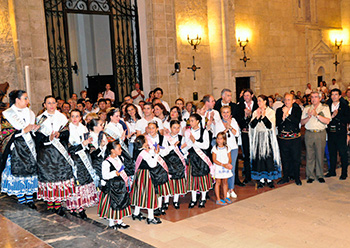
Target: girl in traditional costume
x=200, y=167
x=176, y=162
x=175, y=114
x=87, y=178
x=264, y=151
x=98, y=145
x=161, y=173
x=143, y=193
x=19, y=166
x=55, y=166
x=114, y=131
x=115, y=199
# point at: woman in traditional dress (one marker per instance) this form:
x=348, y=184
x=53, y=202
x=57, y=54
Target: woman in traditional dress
x=161, y=173
x=200, y=167
x=87, y=178
x=115, y=199
x=264, y=151
x=19, y=166
x=55, y=166
x=97, y=146
x=143, y=193
x=176, y=162
x=114, y=131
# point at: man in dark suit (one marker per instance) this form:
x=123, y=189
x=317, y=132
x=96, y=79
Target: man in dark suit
x=226, y=100
x=288, y=119
x=245, y=111
x=337, y=133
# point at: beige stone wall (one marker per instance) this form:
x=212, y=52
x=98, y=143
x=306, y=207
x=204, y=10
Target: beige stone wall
x=7, y=53
x=289, y=42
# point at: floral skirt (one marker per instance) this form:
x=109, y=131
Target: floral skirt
x=18, y=186
x=85, y=196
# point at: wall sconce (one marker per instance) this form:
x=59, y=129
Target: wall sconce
x=177, y=67
x=194, y=42
x=243, y=44
x=338, y=43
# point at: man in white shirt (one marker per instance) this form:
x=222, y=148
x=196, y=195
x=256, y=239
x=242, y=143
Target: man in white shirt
x=108, y=93
x=213, y=116
x=334, y=85
x=137, y=94
x=158, y=93
x=308, y=89
x=141, y=124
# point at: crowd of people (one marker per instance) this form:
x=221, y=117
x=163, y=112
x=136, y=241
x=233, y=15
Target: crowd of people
x=78, y=154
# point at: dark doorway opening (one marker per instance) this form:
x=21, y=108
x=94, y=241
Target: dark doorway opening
x=319, y=80
x=241, y=84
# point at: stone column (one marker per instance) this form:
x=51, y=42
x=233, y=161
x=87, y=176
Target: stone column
x=30, y=45
x=345, y=14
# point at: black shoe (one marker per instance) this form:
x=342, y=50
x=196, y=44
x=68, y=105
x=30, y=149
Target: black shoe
x=176, y=205
x=342, y=177
x=283, y=181
x=245, y=181
x=310, y=180
x=298, y=182
x=139, y=217
x=207, y=197
x=240, y=184
x=115, y=227
x=271, y=185
x=83, y=215
x=155, y=221
x=260, y=185
x=321, y=180
x=192, y=204
x=163, y=211
x=74, y=213
x=31, y=205
x=123, y=226
x=202, y=204
x=165, y=206
x=291, y=178
x=157, y=212
x=61, y=212
x=330, y=175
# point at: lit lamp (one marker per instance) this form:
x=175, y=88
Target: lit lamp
x=243, y=44
x=337, y=44
x=194, y=42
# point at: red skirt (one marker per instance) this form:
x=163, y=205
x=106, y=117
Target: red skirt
x=57, y=191
x=143, y=192
x=104, y=209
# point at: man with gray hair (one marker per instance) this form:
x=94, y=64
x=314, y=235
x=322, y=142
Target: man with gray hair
x=315, y=117
x=226, y=100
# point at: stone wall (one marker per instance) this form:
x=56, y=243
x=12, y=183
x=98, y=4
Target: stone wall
x=7, y=54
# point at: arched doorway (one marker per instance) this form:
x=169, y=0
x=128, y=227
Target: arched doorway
x=320, y=75
x=124, y=39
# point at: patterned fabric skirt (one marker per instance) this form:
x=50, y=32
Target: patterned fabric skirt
x=203, y=183
x=85, y=196
x=17, y=186
x=104, y=209
x=165, y=189
x=57, y=191
x=143, y=192
x=178, y=186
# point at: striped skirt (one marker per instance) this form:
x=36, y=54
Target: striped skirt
x=143, y=192
x=165, y=189
x=104, y=209
x=178, y=186
x=85, y=196
x=203, y=183
x=57, y=191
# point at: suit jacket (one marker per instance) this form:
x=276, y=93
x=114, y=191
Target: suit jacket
x=340, y=121
x=234, y=110
x=242, y=121
x=291, y=123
